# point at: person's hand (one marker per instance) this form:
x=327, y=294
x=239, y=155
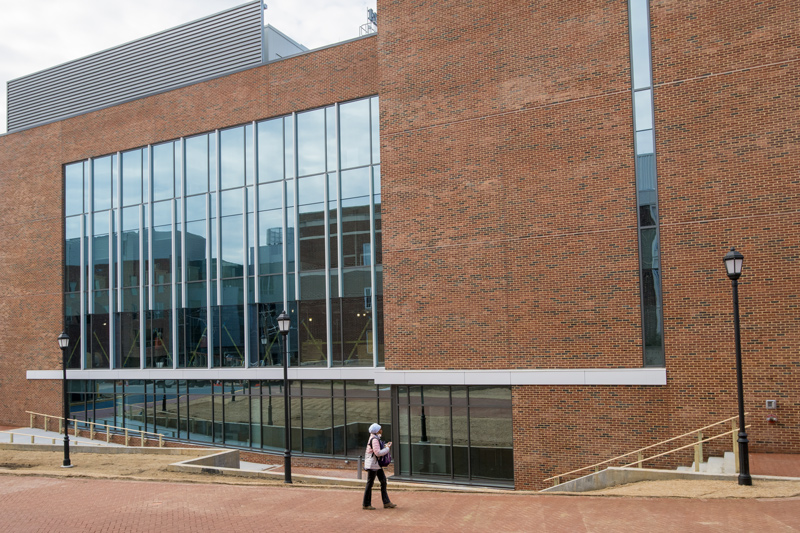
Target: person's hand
x=389, y=444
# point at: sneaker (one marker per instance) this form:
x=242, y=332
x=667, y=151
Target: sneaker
x=368, y=508
x=389, y=505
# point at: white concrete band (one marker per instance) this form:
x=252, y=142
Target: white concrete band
x=576, y=376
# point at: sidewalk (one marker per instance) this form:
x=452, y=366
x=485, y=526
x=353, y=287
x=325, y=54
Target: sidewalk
x=96, y=505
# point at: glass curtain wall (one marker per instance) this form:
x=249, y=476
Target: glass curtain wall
x=329, y=418
x=182, y=254
x=455, y=433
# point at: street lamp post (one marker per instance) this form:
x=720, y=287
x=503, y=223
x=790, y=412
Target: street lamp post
x=423, y=424
x=283, y=324
x=733, y=265
x=269, y=383
x=63, y=343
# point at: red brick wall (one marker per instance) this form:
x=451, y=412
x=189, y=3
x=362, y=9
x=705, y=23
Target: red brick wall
x=727, y=153
x=509, y=212
x=31, y=219
x=508, y=187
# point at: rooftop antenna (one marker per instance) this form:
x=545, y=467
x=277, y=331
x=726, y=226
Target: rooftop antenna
x=371, y=26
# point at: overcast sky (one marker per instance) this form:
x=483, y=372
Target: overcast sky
x=38, y=34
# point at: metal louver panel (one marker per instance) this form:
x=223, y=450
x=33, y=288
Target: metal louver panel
x=206, y=48
x=646, y=172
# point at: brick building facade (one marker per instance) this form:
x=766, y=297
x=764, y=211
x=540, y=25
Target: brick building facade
x=510, y=226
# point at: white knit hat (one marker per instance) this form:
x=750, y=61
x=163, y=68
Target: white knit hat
x=374, y=428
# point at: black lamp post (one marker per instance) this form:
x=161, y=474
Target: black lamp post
x=63, y=343
x=269, y=383
x=733, y=265
x=283, y=324
x=423, y=424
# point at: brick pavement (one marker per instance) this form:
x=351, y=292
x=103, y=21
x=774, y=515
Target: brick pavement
x=29, y=503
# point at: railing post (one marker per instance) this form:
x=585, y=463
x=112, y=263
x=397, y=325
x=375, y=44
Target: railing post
x=700, y=443
x=640, y=456
x=60, y=425
x=91, y=430
x=11, y=436
x=557, y=481
x=31, y=424
x=75, y=422
x=46, y=420
x=141, y=439
x=108, y=433
x=698, y=451
x=161, y=441
x=126, y=437
x=33, y=437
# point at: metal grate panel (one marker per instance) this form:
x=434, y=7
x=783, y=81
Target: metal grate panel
x=199, y=50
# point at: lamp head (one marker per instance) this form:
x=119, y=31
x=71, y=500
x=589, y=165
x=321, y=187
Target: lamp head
x=283, y=322
x=63, y=340
x=733, y=263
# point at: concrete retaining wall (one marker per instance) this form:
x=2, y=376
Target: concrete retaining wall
x=611, y=477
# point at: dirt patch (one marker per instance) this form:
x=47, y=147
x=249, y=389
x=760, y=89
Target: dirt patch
x=704, y=489
x=137, y=466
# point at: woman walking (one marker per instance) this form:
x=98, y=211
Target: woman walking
x=375, y=450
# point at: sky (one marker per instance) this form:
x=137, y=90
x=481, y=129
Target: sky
x=39, y=34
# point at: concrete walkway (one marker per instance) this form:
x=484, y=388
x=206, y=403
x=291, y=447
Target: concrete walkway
x=30, y=503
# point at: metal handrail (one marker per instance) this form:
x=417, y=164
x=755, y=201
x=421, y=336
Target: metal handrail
x=52, y=439
x=138, y=432
x=640, y=460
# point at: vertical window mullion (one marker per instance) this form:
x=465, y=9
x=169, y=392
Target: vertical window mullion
x=149, y=224
x=296, y=213
x=452, y=450
x=118, y=210
x=84, y=289
x=245, y=275
x=184, y=287
x=469, y=440
x=254, y=229
x=173, y=284
x=142, y=285
x=218, y=218
x=111, y=299
x=339, y=232
x=90, y=241
x=327, y=239
x=209, y=285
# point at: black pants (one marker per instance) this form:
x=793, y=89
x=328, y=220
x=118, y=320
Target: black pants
x=371, y=481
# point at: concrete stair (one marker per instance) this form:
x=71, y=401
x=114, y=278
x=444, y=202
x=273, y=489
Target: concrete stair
x=714, y=465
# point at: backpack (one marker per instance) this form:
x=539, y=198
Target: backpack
x=383, y=460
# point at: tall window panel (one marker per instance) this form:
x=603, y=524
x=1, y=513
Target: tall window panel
x=646, y=184
x=183, y=253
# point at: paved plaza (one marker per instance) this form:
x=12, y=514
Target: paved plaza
x=42, y=504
